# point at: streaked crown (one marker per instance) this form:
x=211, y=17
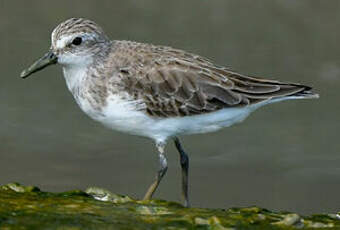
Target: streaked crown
x=64, y=34
x=77, y=37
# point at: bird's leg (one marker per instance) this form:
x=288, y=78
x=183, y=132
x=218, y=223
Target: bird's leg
x=163, y=167
x=184, y=159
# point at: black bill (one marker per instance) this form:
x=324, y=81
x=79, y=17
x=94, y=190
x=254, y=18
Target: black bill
x=48, y=59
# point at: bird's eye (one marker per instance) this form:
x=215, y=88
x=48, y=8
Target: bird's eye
x=77, y=41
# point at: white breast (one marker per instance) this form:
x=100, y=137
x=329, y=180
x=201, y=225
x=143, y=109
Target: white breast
x=125, y=114
x=128, y=116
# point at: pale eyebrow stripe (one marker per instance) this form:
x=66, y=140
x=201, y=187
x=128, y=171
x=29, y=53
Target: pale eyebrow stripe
x=61, y=43
x=64, y=40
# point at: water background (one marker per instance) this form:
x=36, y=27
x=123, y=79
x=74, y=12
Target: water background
x=283, y=157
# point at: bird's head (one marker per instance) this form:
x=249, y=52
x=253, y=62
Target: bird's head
x=73, y=42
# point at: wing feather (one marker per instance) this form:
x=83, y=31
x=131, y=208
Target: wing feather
x=176, y=83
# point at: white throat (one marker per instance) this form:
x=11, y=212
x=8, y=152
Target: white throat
x=74, y=68
x=74, y=75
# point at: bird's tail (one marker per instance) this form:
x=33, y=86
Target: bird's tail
x=306, y=94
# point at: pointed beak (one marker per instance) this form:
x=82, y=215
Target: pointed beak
x=48, y=59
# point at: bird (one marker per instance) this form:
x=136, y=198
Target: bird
x=154, y=91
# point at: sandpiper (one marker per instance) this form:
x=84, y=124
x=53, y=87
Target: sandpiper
x=155, y=91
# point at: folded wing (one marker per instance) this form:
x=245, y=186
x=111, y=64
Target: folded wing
x=184, y=84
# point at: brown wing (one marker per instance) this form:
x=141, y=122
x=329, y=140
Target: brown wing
x=177, y=83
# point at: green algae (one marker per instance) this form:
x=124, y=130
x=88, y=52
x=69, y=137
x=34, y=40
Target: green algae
x=30, y=208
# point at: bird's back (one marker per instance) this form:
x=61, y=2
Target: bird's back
x=175, y=83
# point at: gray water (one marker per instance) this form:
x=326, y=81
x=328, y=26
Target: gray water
x=283, y=157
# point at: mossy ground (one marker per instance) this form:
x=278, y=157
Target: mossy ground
x=29, y=208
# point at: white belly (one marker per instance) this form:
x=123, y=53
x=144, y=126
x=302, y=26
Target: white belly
x=125, y=116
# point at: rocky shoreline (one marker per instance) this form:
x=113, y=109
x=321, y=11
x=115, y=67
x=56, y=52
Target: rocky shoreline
x=27, y=207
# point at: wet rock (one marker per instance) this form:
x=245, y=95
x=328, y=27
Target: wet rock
x=291, y=219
